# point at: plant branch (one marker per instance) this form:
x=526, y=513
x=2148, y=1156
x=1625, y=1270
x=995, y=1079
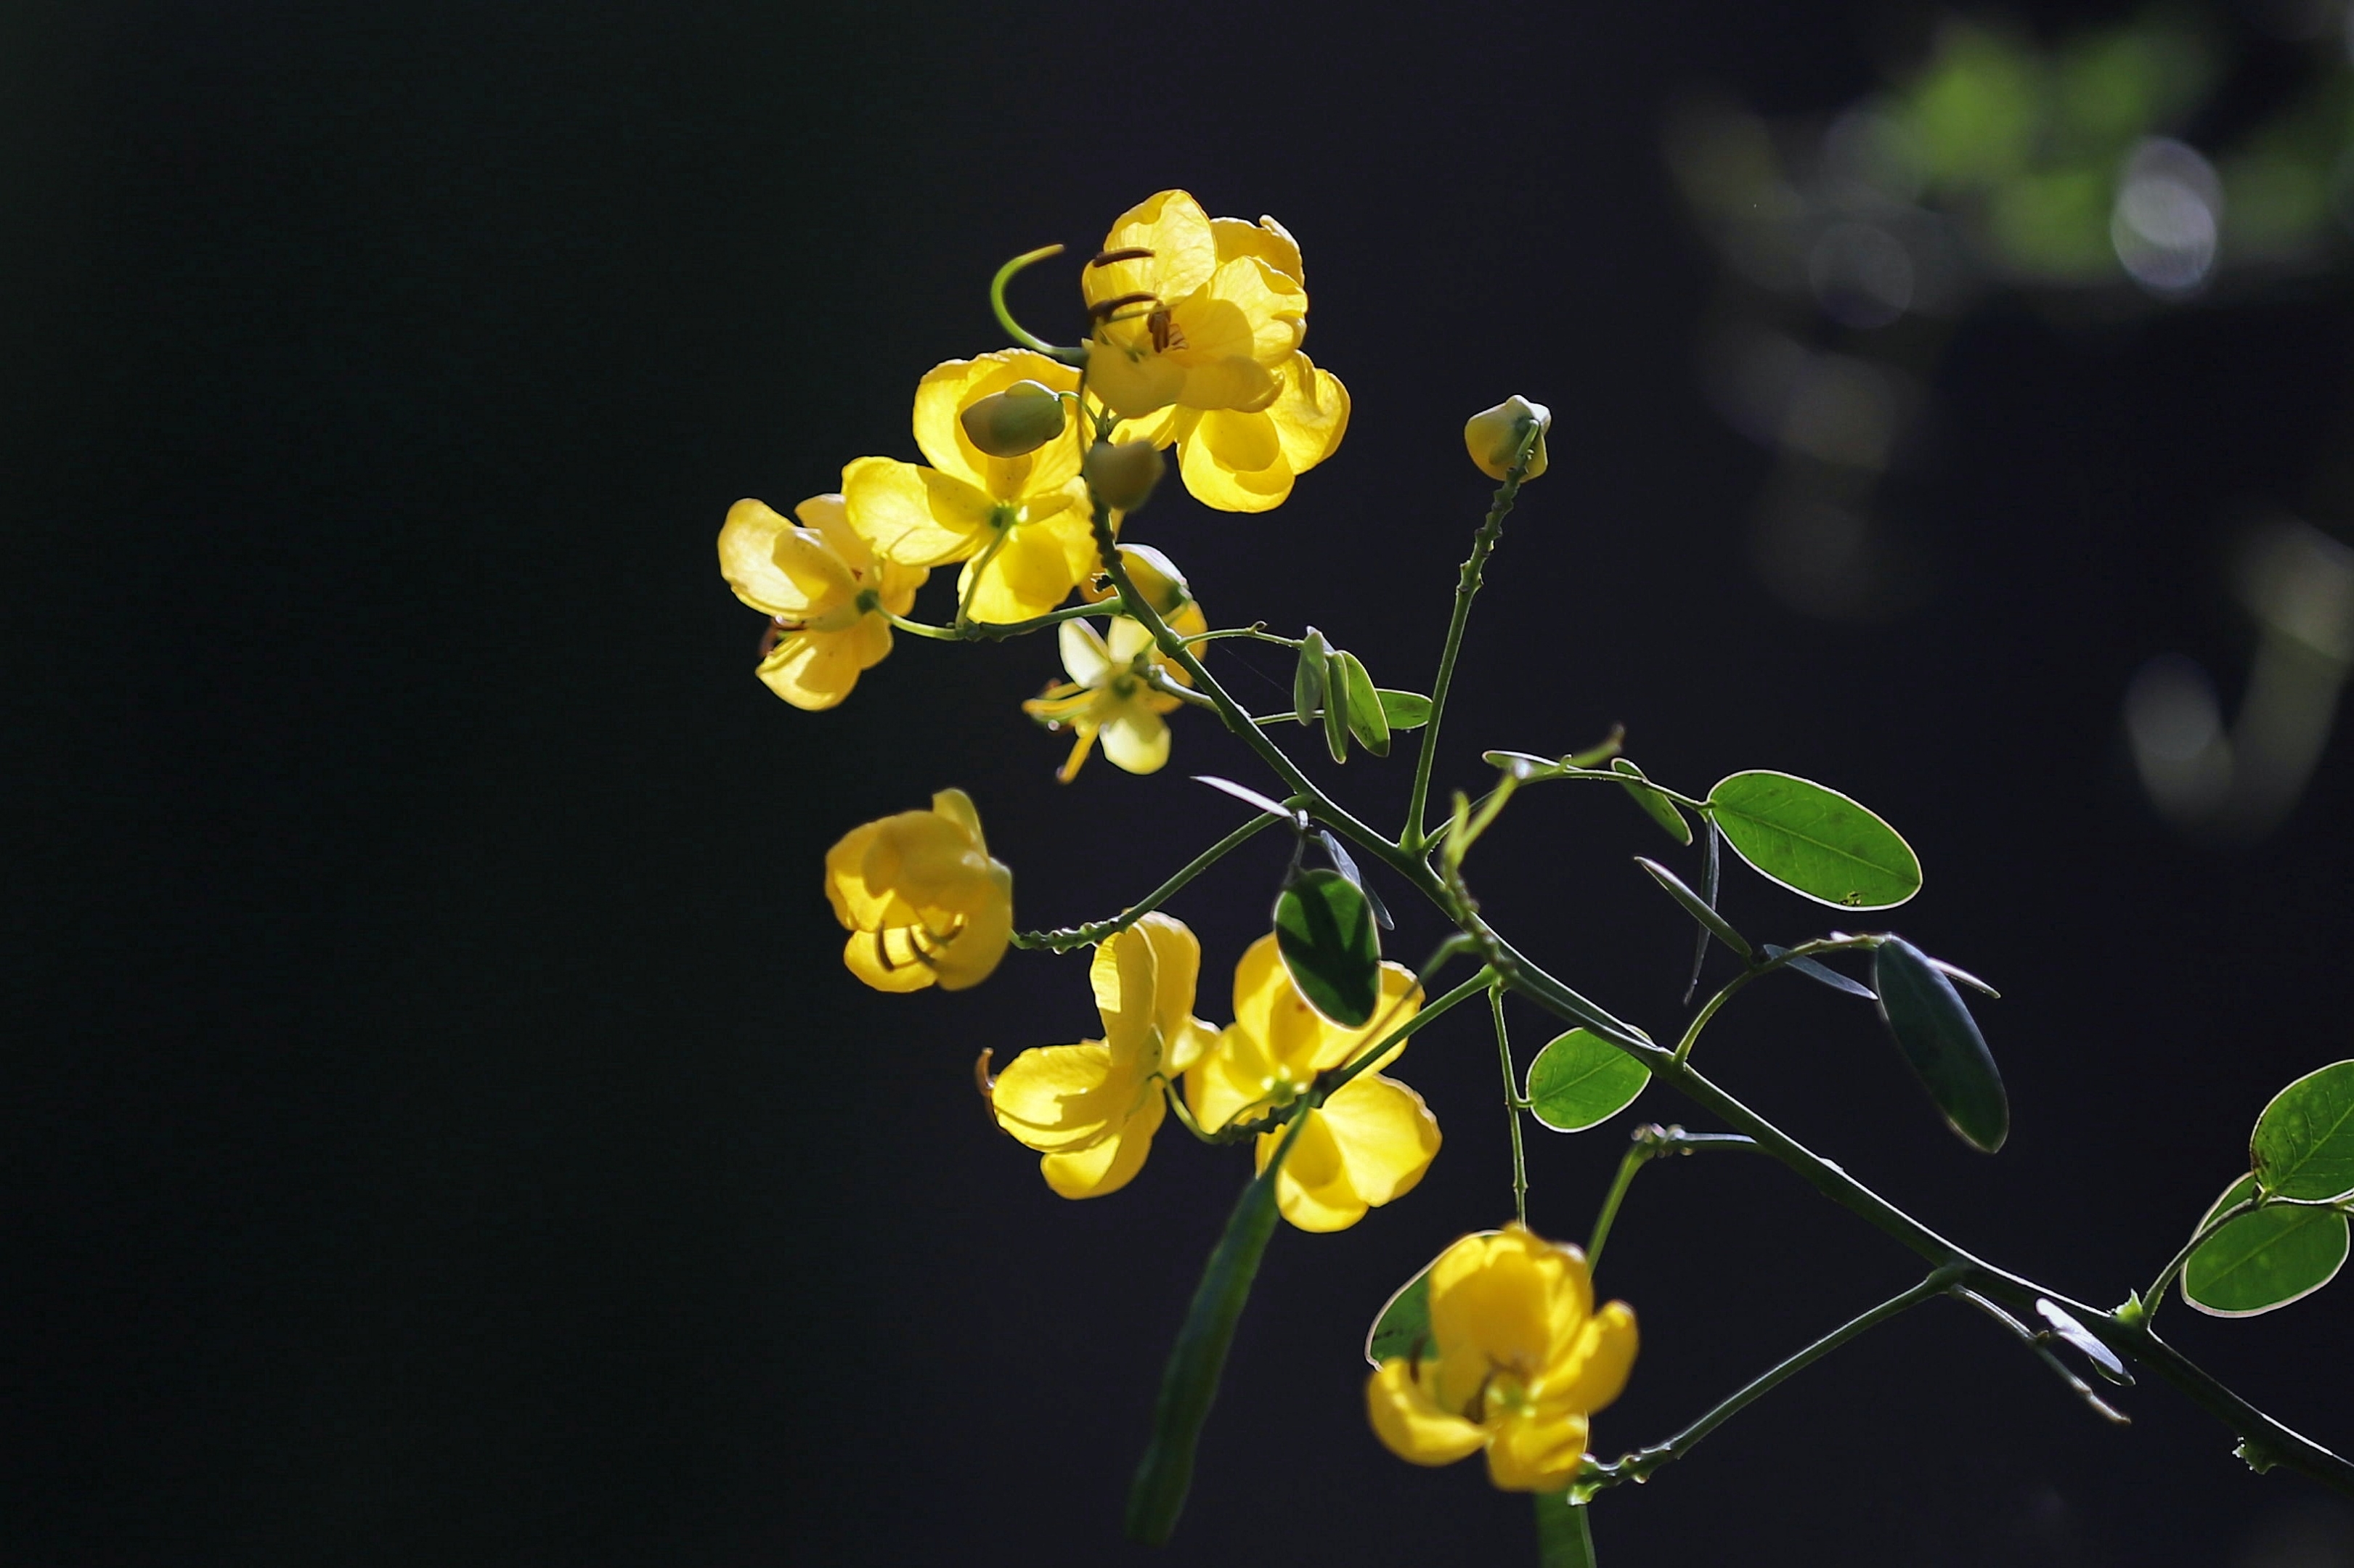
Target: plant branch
x=1064, y=940
x=1512, y=1105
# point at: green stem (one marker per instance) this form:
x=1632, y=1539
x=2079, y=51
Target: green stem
x=993, y=630
x=1189, y=1381
x=1564, y=1541
x=1467, y=584
x=1014, y=329
x=1259, y=634
x=1639, y=1466
x=1635, y=1159
x=1512, y=1104
x=1064, y=940
x=1366, y=1059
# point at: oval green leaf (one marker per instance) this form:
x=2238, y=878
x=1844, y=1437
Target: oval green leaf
x=1402, y=1328
x=1940, y=1038
x=2263, y=1260
x=1367, y=721
x=1581, y=1081
x=1324, y=930
x=1307, y=678
x=1661, y=809
x=1405, y=710
x=2304, y=1145
x=1814, y=840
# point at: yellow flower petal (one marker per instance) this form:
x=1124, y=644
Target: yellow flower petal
x=1539, y=1453
x=1185, y=252
x=1595, y=1371
x=1503, y=1296
x=916, y=516
x=1189, y=1043
x=1034, y=571
x=1266, y=239
x=815, y=670
x=884, y=964
x=1386, y=1136
x=773, y=568
x=1176, y=968
x=1312, y=414
x=1058, y=1099
x=1312, y=1190
x=828, y=516
x=1111, y=1165
x=1085, y=659
x=1122, y=975
x=1230, y=1075
x=1128, y=377
x=955, y=807
x=948, y=389
x=924, y=902
x=1135, y=739
x=1410, y=1426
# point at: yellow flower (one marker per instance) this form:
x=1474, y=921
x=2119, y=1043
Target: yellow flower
x=1090, y=1110
x=1107, y=695
x=1021, y=524
x=1181, y=321
x=1371, y=1140
x=921, y=898
x=824, y=588
x=1494, y=437
x=1517, y=1361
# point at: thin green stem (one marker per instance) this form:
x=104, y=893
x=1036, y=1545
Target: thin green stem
x=994, y=630
x=2156, y=1294
x=1159, y=681
x=1064, y=940
x=1259, y=634
x=1004, y=314
x=1467, y=584
x=1327, y=1084
x=1635, y=1159
x=1512, y=1104
x=1639, y=1466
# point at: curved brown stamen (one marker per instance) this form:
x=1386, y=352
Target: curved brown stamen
x=1129, y=253
x=1103, y=308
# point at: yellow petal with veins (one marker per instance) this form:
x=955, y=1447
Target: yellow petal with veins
x=1113, y=1163
x=1410, y=1425
x=1034, y=571
x=1537, y=1453
x=913, y=515
x=1595, y=1370
x=776, y=568
x=948, y=389
x=1185, y=250
x=1386, y=1135
x=1135, y=739
x=1266, y=239
x=1122, y=975
x=1058, y=1099
x=814, y=670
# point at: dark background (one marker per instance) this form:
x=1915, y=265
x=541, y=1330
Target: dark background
x=442, y=1131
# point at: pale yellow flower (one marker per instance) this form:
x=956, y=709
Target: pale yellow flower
x=1091, y=1109
x=822, y=586
x=1107, y=695
x=1371, y=1139
x=922, y=901
x=1517, y=1361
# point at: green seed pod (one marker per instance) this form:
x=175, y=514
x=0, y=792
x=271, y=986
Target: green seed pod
x=1014, y=422
x=1123, y=472
x=1494, y=436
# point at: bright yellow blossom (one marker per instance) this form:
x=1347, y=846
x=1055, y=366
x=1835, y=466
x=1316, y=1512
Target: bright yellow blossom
x=1021, y=524
x=824, y=589
x=1107, y=695
x=921, y=898
x=1371, y=1140
x=1517, y=1360
x=1177, y=323
x=1091, y=1109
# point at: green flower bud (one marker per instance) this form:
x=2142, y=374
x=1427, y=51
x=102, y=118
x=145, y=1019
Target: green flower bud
x=1014, y=422
x=1494, y=437
x=1122, y=473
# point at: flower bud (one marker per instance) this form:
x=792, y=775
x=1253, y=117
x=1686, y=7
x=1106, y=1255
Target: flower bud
x=1494, y=437
x=1122, y=473
x=1014, y=422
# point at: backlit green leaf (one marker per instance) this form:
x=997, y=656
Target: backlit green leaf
x=2303, y=1146
x=1307, y=678
x=1405, y=710
x=1324, y=931
x=1696, y=907
x=2264, y=1259
x=1815, y=840
x=1581, y=1080
x=1663, y=810
x=1940, y=1038
x=1402, y=1328
x=1367, y=721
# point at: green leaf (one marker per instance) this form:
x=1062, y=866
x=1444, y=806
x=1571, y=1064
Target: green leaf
x=1307, y=678
x=1367, y=722
x=1403, y=1325
x=1663, y=810
x=2264, y=1259
x=2105, y=1360
x=1324, y=930
x=1821, y=974
x=1336, y=705
x=1405, y=710
x=2303, y=1146
x=1581, y=1080
x=1815, y=840
x=1344, y=862
x=1696, y=907
x=1940, y=1038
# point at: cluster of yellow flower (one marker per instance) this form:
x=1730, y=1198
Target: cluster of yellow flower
x=1194, y=328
